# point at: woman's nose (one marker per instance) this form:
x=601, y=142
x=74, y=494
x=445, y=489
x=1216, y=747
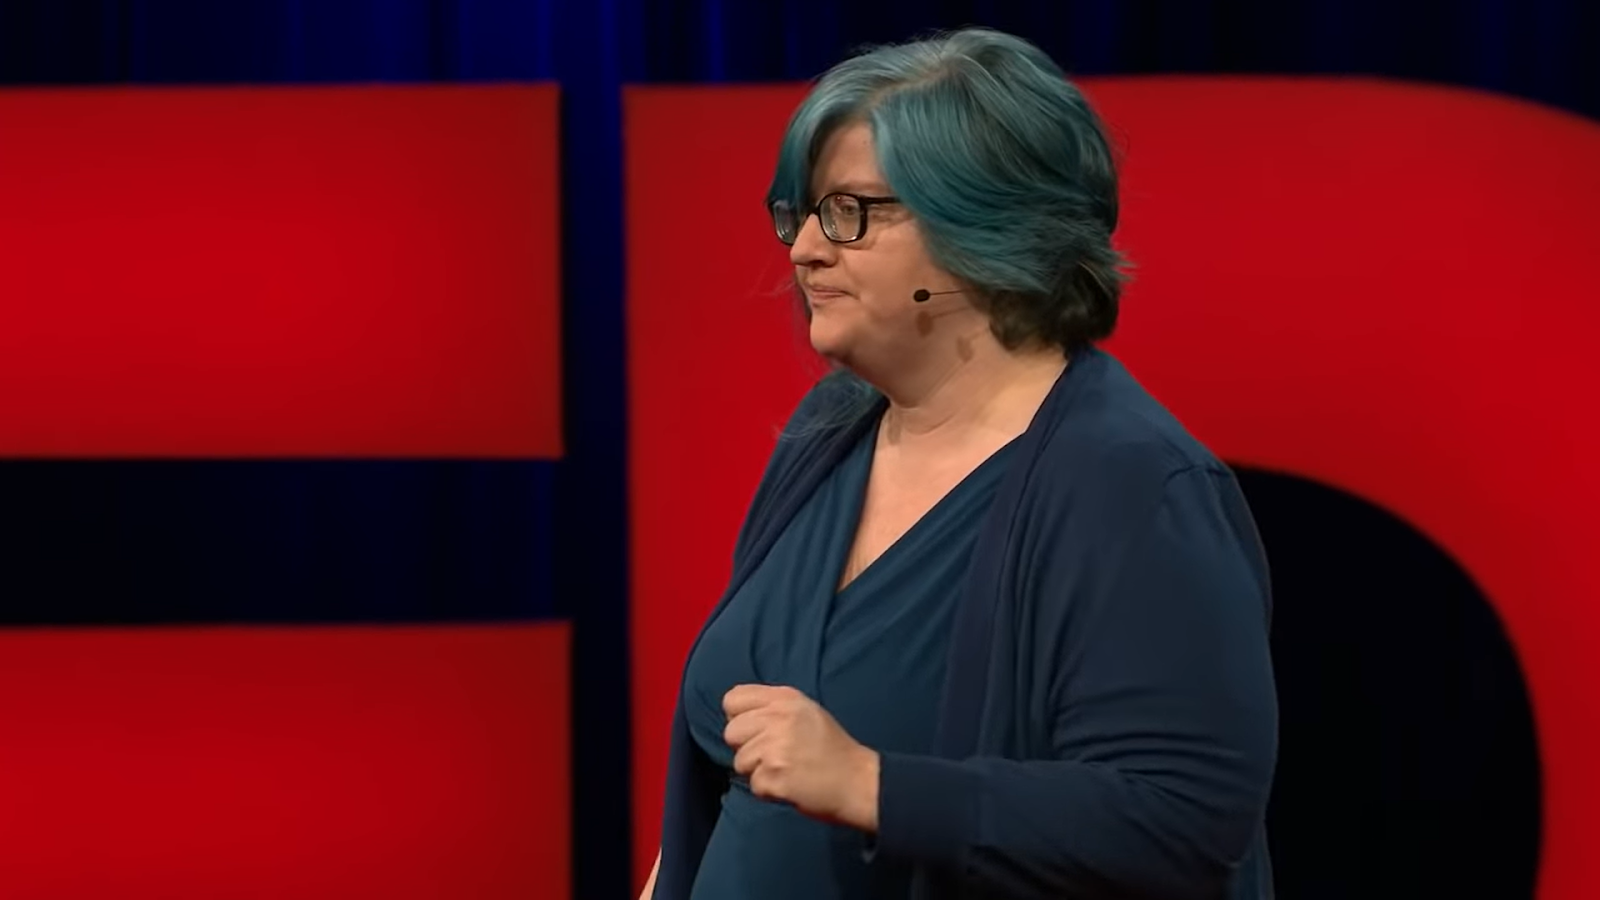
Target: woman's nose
x=811, y=246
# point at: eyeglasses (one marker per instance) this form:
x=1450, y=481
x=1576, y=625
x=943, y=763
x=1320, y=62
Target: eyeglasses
x=843, y=217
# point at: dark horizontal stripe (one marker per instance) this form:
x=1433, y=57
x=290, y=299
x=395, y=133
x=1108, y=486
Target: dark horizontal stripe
x=77, y=41
x=108, y=542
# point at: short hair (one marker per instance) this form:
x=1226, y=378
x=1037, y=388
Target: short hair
x=1003, y=162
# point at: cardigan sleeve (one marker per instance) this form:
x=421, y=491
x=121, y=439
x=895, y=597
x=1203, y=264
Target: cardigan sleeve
x=1164, y=724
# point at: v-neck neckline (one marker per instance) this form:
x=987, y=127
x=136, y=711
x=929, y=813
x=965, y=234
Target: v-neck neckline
x=858, y=491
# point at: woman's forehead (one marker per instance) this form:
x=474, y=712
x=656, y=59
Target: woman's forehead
x=848, y=162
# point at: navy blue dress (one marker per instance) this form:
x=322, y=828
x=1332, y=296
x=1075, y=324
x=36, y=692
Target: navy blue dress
x=873, y=655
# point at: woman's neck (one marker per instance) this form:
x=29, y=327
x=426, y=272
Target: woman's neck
x=981, y=391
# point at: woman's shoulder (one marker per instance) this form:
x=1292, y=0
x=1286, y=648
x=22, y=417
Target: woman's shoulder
x=1109, y=430
x=1111, y=459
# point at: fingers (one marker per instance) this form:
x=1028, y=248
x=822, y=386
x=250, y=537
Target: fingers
x=748, y=758
x=762, y=768
x=761, y=719
x=746, y=697
x=741, y=728
x=752, y=708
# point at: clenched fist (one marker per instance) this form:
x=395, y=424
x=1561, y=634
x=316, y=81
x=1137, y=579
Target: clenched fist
x=792, y=750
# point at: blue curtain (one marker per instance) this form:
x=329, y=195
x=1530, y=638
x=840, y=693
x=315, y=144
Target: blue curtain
x=198, y=541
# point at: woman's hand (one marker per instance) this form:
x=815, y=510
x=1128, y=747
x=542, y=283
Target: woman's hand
x=792, y=750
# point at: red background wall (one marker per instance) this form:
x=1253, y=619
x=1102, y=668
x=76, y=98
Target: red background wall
x=305, y=301
x=335, y=762
x=344, y=271
x=281, y=274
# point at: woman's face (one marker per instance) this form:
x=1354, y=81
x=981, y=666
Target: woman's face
x=859, y=293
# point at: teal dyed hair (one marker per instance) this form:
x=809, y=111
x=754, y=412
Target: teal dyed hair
x=1001, y=160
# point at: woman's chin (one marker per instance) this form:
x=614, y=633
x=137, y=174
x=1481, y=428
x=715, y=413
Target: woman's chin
x=821, y=327
x=827, y=338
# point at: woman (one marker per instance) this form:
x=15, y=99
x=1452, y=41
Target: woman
x=998, y=624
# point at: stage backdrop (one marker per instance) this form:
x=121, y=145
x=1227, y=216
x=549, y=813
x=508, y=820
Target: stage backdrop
x=242, y=276
x=117, y=541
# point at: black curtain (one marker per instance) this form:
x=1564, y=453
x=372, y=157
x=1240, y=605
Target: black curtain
x=285, y=540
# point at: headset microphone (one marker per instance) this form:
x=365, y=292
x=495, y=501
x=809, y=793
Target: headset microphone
x=922, y=294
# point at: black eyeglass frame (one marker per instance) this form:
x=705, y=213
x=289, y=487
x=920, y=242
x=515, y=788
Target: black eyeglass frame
x=864, y=201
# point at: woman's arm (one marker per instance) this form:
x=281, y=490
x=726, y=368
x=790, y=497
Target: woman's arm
x=1164, y=727
x=650, y=885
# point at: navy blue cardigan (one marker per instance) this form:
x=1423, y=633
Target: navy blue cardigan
x=1108, y=726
